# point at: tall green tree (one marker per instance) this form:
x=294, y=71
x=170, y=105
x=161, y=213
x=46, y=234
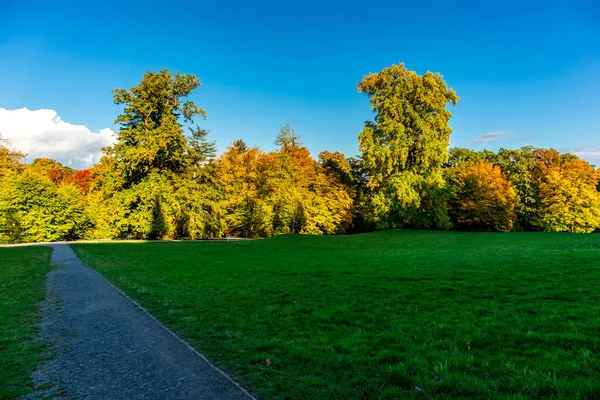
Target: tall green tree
x=146, y=185
x=519, y=165
x=201, y=150
x=410, y=131
x=151, y=137
x=405, y=146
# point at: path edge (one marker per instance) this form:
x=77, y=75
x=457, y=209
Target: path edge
x=176, y=336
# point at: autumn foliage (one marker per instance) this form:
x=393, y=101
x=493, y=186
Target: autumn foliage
x=164, y=179
x=569, y=197
x=483, y=200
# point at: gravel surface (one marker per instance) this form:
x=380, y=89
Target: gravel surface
x=106, y=347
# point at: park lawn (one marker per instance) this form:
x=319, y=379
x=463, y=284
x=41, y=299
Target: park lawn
x=386, y=315
x=22, y=275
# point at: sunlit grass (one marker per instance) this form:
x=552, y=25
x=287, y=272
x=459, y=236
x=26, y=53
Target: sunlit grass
x=395, y=314
x=22, y=272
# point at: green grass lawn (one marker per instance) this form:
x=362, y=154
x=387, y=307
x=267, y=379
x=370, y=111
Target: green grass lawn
x=22, y=273
x=397, y=314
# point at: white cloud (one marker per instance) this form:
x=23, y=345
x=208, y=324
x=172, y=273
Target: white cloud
x=42, y=133
x=490, y=137
x=590, y=153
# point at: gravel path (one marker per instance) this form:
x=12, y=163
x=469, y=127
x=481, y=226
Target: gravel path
x=108, y=348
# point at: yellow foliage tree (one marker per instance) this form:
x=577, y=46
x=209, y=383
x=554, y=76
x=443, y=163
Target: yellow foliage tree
x=569, y=197
x=285, y=191
x=10, y=160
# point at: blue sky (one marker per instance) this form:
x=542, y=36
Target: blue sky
x=527, y=72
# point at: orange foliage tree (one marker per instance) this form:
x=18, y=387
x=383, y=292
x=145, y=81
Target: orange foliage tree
x=483, y=200
x=81, y=178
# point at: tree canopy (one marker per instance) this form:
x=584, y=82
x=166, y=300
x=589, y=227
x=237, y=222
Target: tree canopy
x=405, y=147
x=151, y=137
x=483, y=200
x=164, y=178
x=410, y=131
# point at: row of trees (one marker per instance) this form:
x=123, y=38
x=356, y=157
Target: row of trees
x=163, y=178
x=537, y=189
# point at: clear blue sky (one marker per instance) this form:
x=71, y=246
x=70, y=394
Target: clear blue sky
x=527, y=69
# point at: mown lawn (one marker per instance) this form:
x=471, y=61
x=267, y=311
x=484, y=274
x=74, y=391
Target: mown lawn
x=22, y=273
x=397, y=314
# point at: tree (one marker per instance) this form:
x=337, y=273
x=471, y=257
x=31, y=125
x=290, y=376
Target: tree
x=287, y=138
x=147, y=184
x=158, y=226
x=200, y=214
x=147, y=210
x=241, y=177
x=32, y=209
x=201, y=150
x=285, y=191
x=406, y=145
x=519, y=168
x=310, y=196
x=570, y=201
x=82, y=179
x=483, y=199
x=336, y=165
x=546, y=160
x=410, y=131
x=239, y=145
x=51, y=169
x=362, y=220
x=10, y=160
x=459, y=155
x=151, y=136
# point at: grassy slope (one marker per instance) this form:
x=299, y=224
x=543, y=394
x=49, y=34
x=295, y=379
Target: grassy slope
x=377, y=315
x=22, y=273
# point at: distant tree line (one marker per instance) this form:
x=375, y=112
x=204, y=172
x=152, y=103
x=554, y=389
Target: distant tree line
x=163, y=178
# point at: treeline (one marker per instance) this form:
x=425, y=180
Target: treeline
x=163, y=178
